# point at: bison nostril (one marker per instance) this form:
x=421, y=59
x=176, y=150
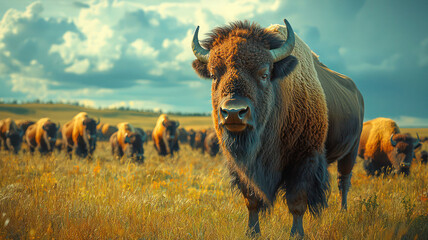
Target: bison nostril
x=242, y=113
x=224, y=113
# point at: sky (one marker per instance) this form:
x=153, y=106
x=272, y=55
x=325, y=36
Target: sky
x=137, y=54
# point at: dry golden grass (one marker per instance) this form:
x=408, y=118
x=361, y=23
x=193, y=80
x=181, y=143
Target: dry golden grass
x=186, y=197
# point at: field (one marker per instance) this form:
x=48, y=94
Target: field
x=187, y=196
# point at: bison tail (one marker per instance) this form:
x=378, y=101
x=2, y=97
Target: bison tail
x=320, y=188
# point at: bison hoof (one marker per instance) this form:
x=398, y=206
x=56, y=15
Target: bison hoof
x=252, y=233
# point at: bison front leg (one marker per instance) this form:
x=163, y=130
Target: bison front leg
x=297, y=204
x=253, y=205
x=307, y=186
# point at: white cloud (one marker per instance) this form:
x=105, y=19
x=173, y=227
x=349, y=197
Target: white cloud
x=386, y=65
x=409, y=121
x=142, y=49
x=100, y=45
x=79, y=67
x=87, y=103
x=33, y=87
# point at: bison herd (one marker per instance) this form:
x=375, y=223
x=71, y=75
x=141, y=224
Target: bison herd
x=79, y=136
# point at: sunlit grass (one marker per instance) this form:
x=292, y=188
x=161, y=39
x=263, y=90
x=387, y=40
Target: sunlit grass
x=187, y=196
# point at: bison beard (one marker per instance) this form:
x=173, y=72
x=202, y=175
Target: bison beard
x=242, y=146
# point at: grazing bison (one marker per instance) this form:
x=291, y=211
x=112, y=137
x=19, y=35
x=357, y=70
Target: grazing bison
x=384, y=148
x=24, y=124
x=10, y=135
x=191, y=138
x=422, y=157
x=104, y=131
x=182, y=135
x=80, y=135
x=42, y=135
x=211, y=144
x=200, y=136
x=280, y=115
x=127, y=141
x=164, y=135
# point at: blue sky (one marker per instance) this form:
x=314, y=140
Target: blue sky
x=137, y=53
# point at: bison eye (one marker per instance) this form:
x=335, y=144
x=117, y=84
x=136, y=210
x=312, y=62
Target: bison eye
x=213, y=77
x=264, y=76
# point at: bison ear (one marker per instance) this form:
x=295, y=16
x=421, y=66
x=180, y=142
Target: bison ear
x=283, y=68
x=83, y=122
x=201, y=69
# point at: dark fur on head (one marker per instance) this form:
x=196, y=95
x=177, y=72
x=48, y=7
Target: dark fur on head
x=252, y=31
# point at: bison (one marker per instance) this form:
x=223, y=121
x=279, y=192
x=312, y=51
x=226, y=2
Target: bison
x=10, y=135
x=280, y=115
x=200, y=136
x=165, y=137
x=104, y=131
x=211, y=144
x=24, y=124
x=191, y=138
x=42, y=135
x=80, y=135
x=422, y=157
x=182, y=135
x=384, y=148
x=126, y=141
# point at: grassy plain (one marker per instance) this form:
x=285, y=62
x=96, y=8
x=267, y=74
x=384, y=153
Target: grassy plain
x=187, y=196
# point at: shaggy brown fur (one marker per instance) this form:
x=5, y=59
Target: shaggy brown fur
x=42, y=135
x=182, y=135
x=191, y=138
x=80, y=134
x=290, y=143
x=377, y=151
x=200, y=136
x=24, y=124
x=126, y=141
x=165, y=137
x=211, y=143
x=104, y=131
x=10, y=135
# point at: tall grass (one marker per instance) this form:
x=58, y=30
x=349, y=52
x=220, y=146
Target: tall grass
x=187, y=196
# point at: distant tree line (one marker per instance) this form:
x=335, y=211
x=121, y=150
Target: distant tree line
x=76, y=103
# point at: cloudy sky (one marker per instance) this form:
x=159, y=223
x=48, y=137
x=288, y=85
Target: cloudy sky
x=137, y=53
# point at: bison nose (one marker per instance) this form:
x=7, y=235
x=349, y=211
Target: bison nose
x=235, y=114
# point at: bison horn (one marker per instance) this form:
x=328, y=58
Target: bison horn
x=285, y=50
x=98, y=122
x=393, y=143
x=200, y=53
x=417, y=141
